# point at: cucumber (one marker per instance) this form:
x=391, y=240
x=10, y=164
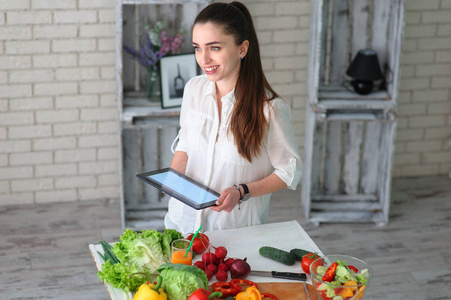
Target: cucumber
x=278, y=255
x=299, y=253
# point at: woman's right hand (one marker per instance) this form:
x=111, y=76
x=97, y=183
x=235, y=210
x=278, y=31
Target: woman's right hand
x=228, y=199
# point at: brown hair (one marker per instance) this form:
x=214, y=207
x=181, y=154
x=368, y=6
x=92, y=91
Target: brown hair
x=248, y=123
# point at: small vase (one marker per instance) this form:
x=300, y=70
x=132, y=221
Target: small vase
x=153, y=86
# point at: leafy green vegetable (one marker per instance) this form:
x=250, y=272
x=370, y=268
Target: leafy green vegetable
x=168, y=236
x=321, y=270
x=329, y=288
x=117, y=276
x=363, y=276
x=180, y=281
x=342, y=274
x=148, y=249
x=138, y=253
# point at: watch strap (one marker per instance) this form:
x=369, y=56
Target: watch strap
x=246, y=191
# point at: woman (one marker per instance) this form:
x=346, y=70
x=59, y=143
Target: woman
x=235, y=134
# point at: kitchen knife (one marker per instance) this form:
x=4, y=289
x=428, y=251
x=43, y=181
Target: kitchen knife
x=284, y=275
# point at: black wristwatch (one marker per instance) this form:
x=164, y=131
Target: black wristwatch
x=246, y=192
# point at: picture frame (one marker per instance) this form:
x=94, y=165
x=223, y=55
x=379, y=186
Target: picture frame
x=176, y=70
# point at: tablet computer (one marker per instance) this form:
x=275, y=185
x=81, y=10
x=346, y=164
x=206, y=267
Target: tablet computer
x=181, y=187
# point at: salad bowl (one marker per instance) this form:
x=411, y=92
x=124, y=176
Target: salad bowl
x=340, y=277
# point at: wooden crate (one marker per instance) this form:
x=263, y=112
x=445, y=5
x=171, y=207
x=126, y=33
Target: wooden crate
x=146, y=146
x=349, y=137
x=146, y=130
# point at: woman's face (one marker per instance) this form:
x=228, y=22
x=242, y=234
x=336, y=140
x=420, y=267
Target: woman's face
x=217, y=54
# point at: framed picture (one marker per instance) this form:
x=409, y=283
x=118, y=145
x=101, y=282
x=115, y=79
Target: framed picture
x=176, y=70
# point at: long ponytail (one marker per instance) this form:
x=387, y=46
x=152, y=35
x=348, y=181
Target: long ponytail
x=248, y=124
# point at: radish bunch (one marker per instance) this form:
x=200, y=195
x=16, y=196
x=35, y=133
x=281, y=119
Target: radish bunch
x=215, y=264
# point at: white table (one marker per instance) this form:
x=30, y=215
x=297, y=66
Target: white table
x=245, y=242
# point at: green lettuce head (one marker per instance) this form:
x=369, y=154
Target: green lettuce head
x=180, y=281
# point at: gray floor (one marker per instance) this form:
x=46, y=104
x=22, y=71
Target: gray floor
x=44, y=248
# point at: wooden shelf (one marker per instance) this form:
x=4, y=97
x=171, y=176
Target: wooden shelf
x=138, y=107
x=347, y=217
x=343, y=93
x=354, y=105
x=340, y=98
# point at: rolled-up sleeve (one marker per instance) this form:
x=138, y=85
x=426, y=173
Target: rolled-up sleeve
x=282, y=147
x=180, y=142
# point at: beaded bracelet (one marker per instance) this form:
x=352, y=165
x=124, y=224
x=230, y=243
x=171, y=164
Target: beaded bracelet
x=241, y=197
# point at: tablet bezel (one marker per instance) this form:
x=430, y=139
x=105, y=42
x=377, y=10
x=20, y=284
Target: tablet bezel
x=145, y=177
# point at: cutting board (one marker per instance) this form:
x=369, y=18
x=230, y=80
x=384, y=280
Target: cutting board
x=287, y=290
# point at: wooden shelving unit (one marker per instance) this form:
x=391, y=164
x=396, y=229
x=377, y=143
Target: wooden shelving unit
x=146, y=130
x=349, y=140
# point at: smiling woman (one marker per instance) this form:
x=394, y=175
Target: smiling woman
x=235, y=136
x=218, y=55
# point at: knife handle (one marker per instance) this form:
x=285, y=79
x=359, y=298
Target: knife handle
x=288, y=275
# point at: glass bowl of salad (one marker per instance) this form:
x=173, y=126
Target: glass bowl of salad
x=340, y=277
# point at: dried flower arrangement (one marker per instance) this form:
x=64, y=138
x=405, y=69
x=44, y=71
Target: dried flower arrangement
x=155, y=44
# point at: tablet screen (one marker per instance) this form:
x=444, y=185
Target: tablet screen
x=181, y=187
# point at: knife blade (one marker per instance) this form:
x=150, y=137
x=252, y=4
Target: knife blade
x=284, y=275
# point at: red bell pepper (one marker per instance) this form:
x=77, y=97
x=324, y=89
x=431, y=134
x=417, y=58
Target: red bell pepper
x=353, y=268
x=226, y=288
x=240, y=282
x=330, y=272
x=268, y=295
x=203, y=294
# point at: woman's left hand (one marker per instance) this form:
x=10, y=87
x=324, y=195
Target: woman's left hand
x=228, y=200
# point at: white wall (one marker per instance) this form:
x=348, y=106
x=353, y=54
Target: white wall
x=58, y=113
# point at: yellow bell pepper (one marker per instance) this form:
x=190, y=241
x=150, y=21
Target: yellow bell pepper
x=348, y=289
x=251, y=293
x=361, y=292
x=151, y=291
x=345, y=292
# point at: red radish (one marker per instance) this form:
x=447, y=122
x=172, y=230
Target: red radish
x=222, y=276
x=200, y=264
x=229, y=261
x=209, y=274
x=223, y=267
x=240, y=268
x=208, y=258
x=212, y=268
x=221, y=252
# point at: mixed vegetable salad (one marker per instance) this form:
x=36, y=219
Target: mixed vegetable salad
x=340, y=281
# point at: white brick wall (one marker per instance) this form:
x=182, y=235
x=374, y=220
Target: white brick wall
x=57, y=90
x=58, y=114
x=425, y=85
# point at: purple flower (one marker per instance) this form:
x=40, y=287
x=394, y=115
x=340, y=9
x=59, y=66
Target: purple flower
x=149, y=54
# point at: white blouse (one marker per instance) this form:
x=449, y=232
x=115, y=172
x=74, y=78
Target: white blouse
x=213, y=158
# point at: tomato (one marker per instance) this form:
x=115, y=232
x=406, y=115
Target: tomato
x=353, y=268
x=322, y=292
x=307, y=260
x=200, y=243
x=330, y=273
